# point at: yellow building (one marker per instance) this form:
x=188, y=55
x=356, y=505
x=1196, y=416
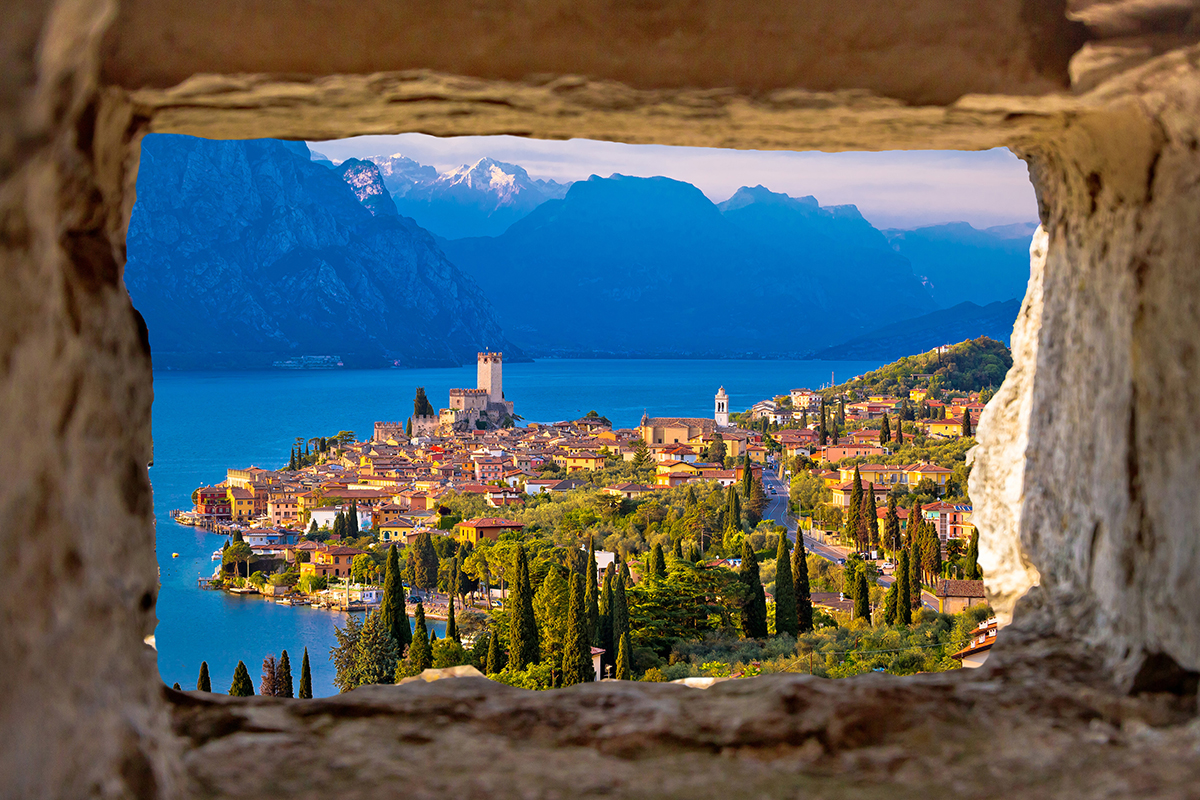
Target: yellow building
x=674, y=473
x=950, y=428
x=757, y=453
x=398, y=531
x=578, y=461
x=917, y=395
x=332, y=561
x=881, y=474
x=481, y=528
x=241, y=504
x=914, y=473
x=675, y=430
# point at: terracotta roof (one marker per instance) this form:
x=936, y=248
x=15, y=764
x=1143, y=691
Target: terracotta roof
x=492, y=522
x=952, y=588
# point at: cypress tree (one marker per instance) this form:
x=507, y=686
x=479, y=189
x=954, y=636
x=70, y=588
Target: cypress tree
x=658, y=563
x=420, y=654
x=966, y=422
x=352, y=520
x=933, y=548
x=914, y=574
x=305, y=692
x=822, y=432
x=786, y=620
x=747, y=477
x=339, y=525
x=677, y=549
x=903, y=592
x=312, y=529
x=267, y=686
x=493, y=654
x=577, y=655
x=283, y=676
x=622, y=666
x=862, y=597
x=855, y=509
x=393, y=609
x=605, y=635
x=408, y=428
x=592, y=598
x=432, y=638
x=242, y=686
x=899, y=432
x=891, y=526
x=885, y=432
x=754, y=613
x=804, y=609
x=870, y=517
x=972, y=567
x=620, y=613
x=522, y=626
x=451, y=625
x=203, y=683
x=889, y=605
x=292, y=460
x=425, y=566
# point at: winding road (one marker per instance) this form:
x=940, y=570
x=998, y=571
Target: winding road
x=777, y=510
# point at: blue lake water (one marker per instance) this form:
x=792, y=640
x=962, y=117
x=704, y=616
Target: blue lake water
x=205, y=422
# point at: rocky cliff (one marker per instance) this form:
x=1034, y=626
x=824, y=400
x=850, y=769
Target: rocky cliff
x=242, y=252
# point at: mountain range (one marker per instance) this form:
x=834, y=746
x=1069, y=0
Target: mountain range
x=964, y=321
x=480, y=199
x=242, y=252
x=960, y=263
x=652, y=267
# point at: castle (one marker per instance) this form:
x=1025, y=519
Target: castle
x=483, y=407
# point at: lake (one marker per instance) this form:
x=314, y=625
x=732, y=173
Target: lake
x=206, y=422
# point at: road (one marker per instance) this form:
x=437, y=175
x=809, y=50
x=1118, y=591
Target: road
x=777, y=510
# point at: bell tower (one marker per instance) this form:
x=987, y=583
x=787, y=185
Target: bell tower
x=722, y=409
x=491, y=375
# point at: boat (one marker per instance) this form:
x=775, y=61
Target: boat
x=174, y=555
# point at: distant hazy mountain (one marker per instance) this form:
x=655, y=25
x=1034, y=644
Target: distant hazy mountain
x=650, y=266
x=963, y=263
x=963, y=321
x=367, y=184
x=400, y=173
x=480, y=199
x=245, y=251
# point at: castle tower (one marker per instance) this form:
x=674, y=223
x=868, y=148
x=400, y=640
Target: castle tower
x=722, y=412
x=491, y=377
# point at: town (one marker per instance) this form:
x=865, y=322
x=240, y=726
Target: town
x=793, y=536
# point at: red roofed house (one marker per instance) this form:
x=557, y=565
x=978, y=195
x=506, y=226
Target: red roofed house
x=955, y=596
x=333, y=560
x=480, y=528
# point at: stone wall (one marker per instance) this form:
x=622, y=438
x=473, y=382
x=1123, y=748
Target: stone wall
x=1086, y=477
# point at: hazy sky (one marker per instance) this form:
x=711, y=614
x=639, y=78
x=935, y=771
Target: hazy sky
x=895, y=189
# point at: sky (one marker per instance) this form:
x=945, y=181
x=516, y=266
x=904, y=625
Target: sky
x=892, y=189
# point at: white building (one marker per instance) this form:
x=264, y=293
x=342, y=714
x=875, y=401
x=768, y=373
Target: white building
x=722, y=409
x=325, y=515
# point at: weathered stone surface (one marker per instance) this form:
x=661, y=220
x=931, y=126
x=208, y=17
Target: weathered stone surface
x=1088, y=474
x=922, y=53
x=1047, y=729
x=997, y=480
x=80, y=711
